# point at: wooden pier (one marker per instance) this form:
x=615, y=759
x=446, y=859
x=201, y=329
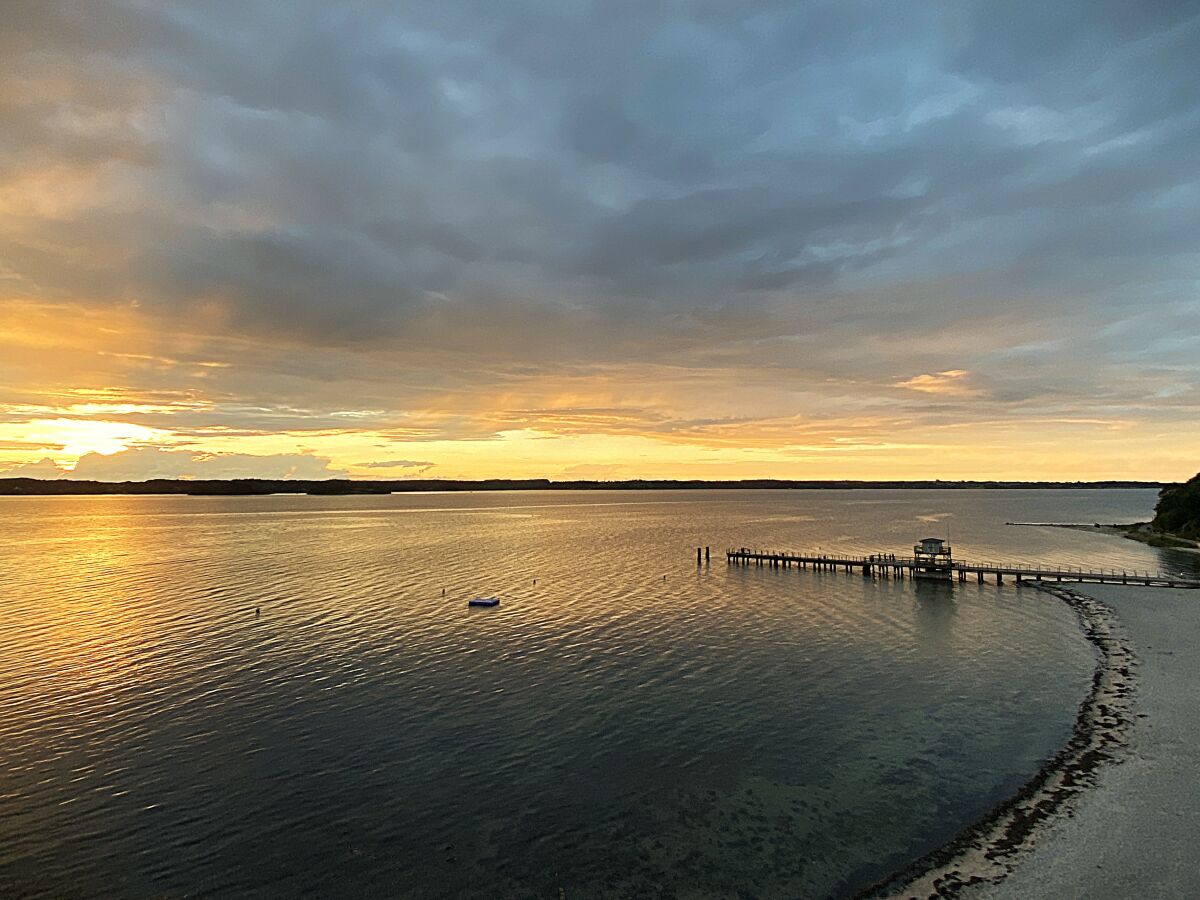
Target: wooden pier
x=883, y=565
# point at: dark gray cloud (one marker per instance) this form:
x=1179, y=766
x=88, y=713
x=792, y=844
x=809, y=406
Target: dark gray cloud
x=324, y=172
x=450, y=197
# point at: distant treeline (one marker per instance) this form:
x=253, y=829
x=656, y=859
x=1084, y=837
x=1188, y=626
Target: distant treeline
x=1178, y=509
x=257, y=486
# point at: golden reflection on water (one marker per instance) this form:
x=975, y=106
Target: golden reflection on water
x=158, y=735
x=80, y=633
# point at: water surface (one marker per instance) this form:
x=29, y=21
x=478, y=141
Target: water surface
x=626, y=724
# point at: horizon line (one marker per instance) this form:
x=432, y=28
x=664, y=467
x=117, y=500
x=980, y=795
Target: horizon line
x=17, y=485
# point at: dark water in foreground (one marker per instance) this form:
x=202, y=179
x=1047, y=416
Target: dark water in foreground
x=628, y=726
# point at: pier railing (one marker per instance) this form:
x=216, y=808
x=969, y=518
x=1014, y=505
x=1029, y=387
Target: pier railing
x=891, y=565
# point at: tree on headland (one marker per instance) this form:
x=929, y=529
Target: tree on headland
x=1178, y=509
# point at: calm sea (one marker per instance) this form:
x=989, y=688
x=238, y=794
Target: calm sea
x=288, y=695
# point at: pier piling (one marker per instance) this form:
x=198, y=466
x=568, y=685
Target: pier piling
x=891, y=566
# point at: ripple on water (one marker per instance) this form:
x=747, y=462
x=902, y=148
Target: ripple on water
x=787, y=733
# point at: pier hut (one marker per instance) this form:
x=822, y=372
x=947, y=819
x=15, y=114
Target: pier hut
x=932, y=559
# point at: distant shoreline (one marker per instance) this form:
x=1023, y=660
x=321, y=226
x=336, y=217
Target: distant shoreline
x=24, y=487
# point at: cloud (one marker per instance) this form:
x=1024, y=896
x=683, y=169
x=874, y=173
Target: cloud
x=23, y=445
x=351, y=175
x=951, y=381
x=43, y=468
x=143, y=463
x=449, y=221
x=396, y=464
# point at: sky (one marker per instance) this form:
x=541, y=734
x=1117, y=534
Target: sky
x=545, y=238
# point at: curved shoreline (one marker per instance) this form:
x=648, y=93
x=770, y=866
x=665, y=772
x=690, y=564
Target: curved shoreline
x=985, y=852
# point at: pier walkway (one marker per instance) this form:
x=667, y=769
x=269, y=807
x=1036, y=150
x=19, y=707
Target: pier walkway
x=889, y=566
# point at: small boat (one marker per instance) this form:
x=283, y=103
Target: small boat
x=484, y=601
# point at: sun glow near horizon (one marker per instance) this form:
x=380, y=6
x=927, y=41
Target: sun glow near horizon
x=111, y=449
x=492, y=266
x=123, y=402
x=198, y=423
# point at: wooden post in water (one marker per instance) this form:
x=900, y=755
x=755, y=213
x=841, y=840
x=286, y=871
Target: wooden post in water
x=697, y=556
x=706, y=554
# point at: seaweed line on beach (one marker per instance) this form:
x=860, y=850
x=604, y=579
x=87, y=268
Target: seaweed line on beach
x=986, y=851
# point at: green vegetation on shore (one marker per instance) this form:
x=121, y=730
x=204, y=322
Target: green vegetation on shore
x=258, y=486
x=1178, y=510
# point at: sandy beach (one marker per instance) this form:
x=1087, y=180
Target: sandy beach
x=1112, y=816
x=1133, y=834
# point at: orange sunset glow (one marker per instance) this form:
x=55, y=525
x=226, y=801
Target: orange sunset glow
x=473, y=450
x=496, y=268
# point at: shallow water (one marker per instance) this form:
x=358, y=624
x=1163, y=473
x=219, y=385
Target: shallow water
x=629, y=725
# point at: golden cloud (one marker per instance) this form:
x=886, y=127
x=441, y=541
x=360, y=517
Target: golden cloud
x=950, y=381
